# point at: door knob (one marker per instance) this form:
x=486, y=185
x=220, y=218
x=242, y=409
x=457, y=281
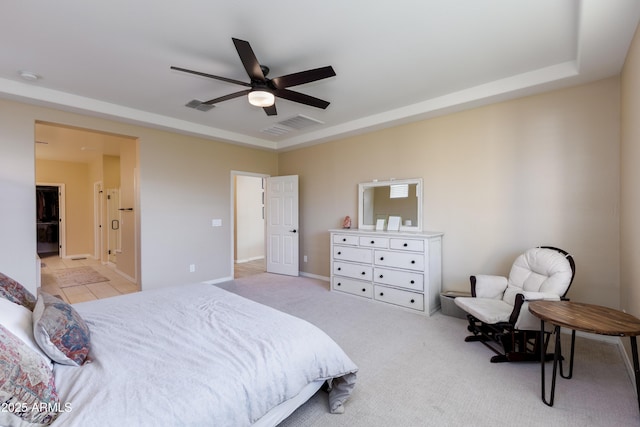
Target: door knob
x=293, y=231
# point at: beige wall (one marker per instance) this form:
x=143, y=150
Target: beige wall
x=630, y=182
x=497, y=180
x=17, y=194
x=111, y=174
x=78, y=222
x=185, y=183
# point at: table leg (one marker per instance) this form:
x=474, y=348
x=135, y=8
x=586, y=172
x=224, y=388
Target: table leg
x=557, y=354
x=573, y=346
x=636, y=366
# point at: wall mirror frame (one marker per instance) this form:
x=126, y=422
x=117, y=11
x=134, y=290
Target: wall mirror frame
x=375, y=202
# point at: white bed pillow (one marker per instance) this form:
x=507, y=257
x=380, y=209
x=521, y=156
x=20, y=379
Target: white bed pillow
x=19, y=321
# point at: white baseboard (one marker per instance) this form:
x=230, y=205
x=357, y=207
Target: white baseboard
x=628, y=363
x=314, y=276
x=216, y=281
x=241, y=261
x=126, y=276
x=612, y=340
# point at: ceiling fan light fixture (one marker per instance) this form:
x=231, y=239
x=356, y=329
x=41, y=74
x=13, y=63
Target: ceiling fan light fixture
x=261, y=98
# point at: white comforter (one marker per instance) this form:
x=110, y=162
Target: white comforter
x=194, y=355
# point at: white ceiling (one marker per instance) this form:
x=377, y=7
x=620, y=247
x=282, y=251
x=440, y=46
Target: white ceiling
x=396, y=61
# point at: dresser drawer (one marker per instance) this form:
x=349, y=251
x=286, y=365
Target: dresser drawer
x=374, y=242
x=399, y=297
x=407, y=244
x=345, y=239
x=357, y=271
x=403, y=279
x=345, y=253
x=409, y=261
x=351, y=286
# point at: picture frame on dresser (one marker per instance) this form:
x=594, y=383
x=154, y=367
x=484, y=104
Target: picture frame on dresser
x=380, y=224
x=394, y=223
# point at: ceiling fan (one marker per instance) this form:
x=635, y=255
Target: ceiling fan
x=262, y=90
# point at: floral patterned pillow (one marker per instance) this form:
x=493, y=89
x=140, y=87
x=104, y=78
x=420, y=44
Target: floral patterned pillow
x=27, y=385
x=15, y=292
x=60, y=331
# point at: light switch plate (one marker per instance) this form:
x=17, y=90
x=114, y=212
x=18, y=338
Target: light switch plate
x=216, y=223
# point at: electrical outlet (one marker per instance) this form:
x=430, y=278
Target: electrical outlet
x=192, y=268
x=304, y=258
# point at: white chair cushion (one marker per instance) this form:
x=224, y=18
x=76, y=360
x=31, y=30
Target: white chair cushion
x=485, y=309
x=488, y=286
x=541, y=270
x=539, y=273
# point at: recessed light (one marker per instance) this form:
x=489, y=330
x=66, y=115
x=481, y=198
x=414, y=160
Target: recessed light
x=29, y=76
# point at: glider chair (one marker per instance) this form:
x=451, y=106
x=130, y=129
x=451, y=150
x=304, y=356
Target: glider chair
x=498, y=309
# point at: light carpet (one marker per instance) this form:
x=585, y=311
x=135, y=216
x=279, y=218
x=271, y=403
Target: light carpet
x=418, y=371
x=77, y=276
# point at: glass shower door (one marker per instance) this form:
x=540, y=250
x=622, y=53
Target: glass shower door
x=113, y=215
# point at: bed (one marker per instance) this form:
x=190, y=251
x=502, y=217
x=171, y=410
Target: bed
x=191, y=355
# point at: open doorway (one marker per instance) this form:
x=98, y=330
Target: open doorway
x=93, y=164
x=249, y=224
x=49, y=218
x=270, y=206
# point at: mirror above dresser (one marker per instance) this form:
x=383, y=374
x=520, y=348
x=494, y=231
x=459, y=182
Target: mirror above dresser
x=380, y=200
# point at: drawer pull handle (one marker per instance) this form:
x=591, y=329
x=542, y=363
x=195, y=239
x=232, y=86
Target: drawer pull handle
x=364, y=272
x=413, y=281
x=405, y=245
x=381, y=258
x=339, y=284
x=364, y=290
x=412, y=301
x=339, y=268
x=381, y=276
x=344, y=239
x=373, y=242
x=381, y=294
x=413, y=261
x=339, y=253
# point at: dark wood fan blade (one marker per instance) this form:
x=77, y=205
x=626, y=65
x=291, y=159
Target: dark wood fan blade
x=227, y=97
x=224, y=79
x=303, y=77
x=249, y=59
x=271, y=111
x=301, y=98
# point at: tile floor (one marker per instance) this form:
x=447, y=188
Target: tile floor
x=117, y=284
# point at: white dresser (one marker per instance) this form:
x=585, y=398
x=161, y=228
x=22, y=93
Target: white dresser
x=399, y=268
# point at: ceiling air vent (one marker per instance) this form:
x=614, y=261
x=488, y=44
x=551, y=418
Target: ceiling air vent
x=291, y=124
x=300, y=122
x=198, y=105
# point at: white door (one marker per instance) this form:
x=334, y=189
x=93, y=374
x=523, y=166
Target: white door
x=282, y=225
